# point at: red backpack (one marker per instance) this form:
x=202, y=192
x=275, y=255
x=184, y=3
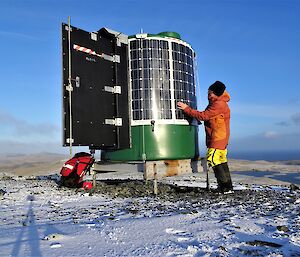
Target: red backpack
x=78, y=165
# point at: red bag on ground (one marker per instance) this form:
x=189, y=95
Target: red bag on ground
x=75, y=168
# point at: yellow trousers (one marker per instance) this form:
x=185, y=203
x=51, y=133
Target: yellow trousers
x=215, y=156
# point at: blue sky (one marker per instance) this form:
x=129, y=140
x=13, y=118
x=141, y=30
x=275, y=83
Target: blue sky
x=251, y=46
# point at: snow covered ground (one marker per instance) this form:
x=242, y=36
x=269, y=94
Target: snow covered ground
x=39, y=219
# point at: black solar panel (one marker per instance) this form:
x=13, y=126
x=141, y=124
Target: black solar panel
x=184, y=81
x=150, y=78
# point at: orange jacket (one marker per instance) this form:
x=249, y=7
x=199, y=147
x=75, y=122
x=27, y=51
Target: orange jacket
x=216, y=119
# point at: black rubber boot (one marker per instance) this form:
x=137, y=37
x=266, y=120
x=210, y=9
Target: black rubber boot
x=228, y=176
x=221, y=177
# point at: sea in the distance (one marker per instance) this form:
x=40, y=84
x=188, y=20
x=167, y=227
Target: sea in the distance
x=266, y=155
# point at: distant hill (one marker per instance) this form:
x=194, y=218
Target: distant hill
x=51, y=163
x=32, y=164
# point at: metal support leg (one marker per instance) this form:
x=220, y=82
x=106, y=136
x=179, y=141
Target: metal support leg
x=155, y=179
x=205, y=169
x=145, y=173
x=93, y=173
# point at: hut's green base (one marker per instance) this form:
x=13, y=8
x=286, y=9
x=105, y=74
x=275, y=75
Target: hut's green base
x=166, y=142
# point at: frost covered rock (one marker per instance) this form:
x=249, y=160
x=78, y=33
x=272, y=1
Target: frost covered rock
x=294, y=187
x=2, y=193
x=283, y=228
x=54, y=236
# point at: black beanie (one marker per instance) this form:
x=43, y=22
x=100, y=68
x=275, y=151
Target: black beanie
x=218, y=88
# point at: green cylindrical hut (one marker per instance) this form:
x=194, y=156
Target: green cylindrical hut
x=161, y=74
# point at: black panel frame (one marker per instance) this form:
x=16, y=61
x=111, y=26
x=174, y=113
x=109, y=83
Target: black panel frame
x=91, y=103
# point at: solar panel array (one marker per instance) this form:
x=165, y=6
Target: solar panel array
x=150, y=78
x=184, y=83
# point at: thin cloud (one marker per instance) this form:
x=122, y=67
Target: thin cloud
x=294, y=100
x=283, y=123
x=17, y=35
x=258, y=110
x=268, y=140
x=270, y=134
x=296, y=118
x=21, y=127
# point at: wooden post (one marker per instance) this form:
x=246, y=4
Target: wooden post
x=93, y=173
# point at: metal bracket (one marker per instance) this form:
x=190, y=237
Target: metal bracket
x=116, y=122
x=70, y=140
x=69, y=88
x=114, y=90
x=77, y=84
x=117, y=58
x=112, y=58
x=67, y=28
x=142, y=35
x=94, y=36
x=121, y=38
x=77, y=81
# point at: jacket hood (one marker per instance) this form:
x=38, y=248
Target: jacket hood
x=224, y=97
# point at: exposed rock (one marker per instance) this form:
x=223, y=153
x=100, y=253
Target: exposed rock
x=293, y=187
x=2, y=193
x=283, y=228
x=263, y=243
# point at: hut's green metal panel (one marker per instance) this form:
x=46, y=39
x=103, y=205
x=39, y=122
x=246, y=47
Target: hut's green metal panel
x=164, y=34
x=165, y=142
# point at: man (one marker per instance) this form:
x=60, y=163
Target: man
x=216, y=119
